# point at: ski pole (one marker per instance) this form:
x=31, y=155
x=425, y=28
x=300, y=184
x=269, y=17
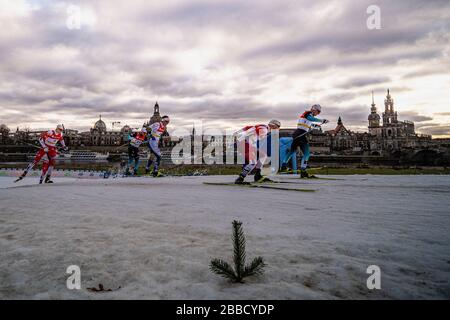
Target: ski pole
x=306, y=132
x=123, y=145
x=31, y=145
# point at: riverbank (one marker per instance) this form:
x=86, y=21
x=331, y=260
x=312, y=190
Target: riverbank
x=235, y=169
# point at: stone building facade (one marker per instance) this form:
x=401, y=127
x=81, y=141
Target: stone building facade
x=98, y=135
x=394, y=134
x=389, y=136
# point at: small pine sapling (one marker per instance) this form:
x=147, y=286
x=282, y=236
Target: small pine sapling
x=240, y=271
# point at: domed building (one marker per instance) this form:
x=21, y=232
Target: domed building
x=4, y=134
x=100, y=136
x=4, y=128
x=126, y=129
x=100, y=125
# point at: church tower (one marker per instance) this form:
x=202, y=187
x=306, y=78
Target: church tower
x=156, y=115
x=374, y=119
x=389, y=115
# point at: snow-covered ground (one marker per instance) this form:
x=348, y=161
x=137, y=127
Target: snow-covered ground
x=154, y=238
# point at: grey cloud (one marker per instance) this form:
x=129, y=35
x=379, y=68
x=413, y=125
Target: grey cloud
x=352, y=115
x=366, y=61
x=339, y=97
x=426, y=72
x=414, y=116
x=177, y=87
x=381, y=91
x=70, y=77
x=200, y=12
x=436, y=130
x=362, y=82
x=427, y=125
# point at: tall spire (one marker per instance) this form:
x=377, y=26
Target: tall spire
x=388, y=103
x=374, y=108
x=389, y=115
x=156, y=117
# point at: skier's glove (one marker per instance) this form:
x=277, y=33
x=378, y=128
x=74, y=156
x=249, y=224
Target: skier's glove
x=66, y=148
x=45, y=149
x=325, y=121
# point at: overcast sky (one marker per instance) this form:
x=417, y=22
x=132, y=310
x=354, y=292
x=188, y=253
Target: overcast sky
x=228, y=63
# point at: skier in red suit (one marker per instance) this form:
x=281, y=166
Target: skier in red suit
x=48, y=152
x=256, y=140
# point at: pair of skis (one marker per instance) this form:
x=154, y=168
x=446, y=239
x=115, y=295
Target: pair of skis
x=264, y=185
x=41, y=182
x=19, y=178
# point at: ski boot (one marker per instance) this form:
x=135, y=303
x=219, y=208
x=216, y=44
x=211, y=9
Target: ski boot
x=135, y=173
x=240, y=180
x=157, y=174
x=21, y=176
x=259, y=178
x=47, y=180
x=147, y=171
x=305, y=175
x=285, y=169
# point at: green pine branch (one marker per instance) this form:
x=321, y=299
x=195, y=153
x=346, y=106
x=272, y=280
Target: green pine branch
x=239, y=248
x=222, y=268
x=255, y=268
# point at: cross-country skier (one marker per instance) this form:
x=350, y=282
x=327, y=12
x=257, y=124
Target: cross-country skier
x=157, y=129
x=135, y=141
x=48, y=141
x=288, y=159
x=304, y=125
x=256, y=144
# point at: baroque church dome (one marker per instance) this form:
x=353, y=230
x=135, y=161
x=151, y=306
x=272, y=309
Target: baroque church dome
x=125, y=128
x=3, y=128
x=374, y=116
x=100, y=125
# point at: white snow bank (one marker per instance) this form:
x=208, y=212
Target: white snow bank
x=154, y=238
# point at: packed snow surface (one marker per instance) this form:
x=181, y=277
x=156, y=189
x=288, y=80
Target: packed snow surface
x=153, y=238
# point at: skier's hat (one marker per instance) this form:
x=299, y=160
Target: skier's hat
x=316, y=107
x=165, y=118
x=60, y=127
x=275, y=122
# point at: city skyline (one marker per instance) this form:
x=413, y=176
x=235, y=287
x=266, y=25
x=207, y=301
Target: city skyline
x=228, y=63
